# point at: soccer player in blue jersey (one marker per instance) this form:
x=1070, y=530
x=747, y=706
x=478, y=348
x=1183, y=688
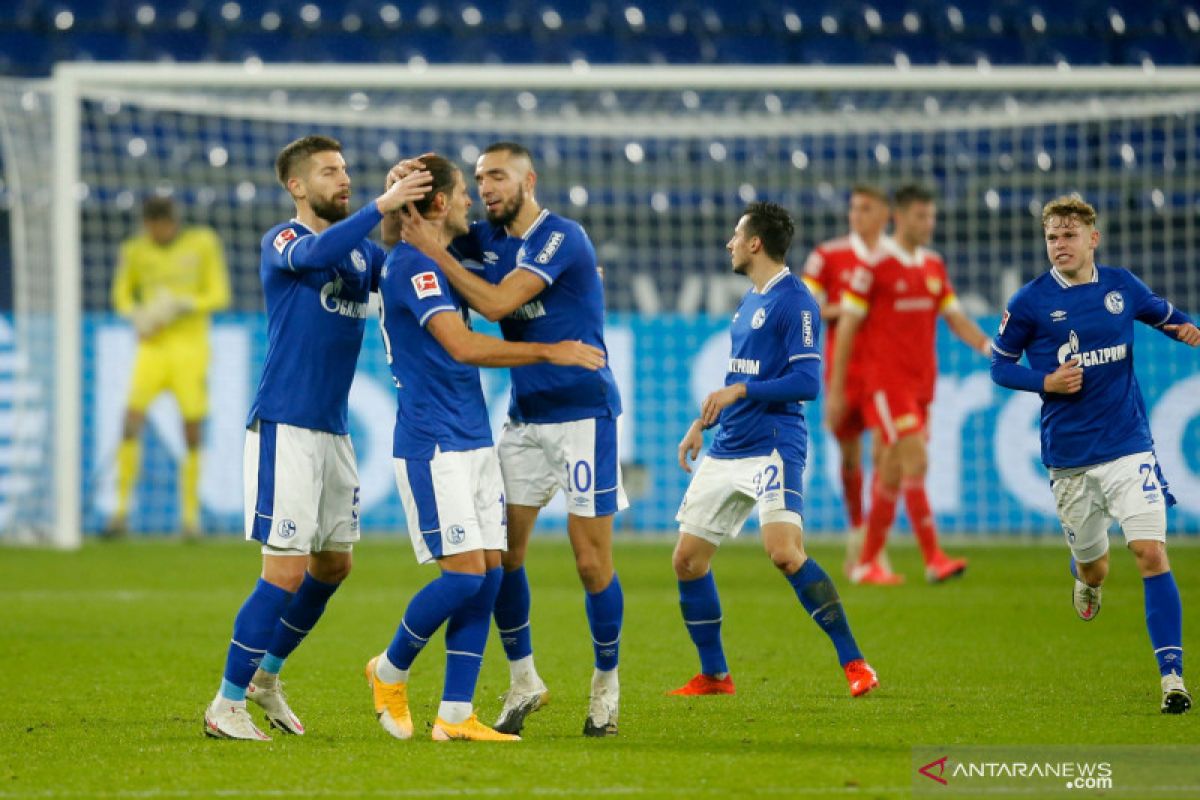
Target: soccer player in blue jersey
x=300, y=476
x=536, y=273
x=1075, y=326
x=446, y=470
x=758, y=455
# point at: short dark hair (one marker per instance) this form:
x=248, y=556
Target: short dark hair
x=158, y=207
x=512, y=148
x=299, y=151
x=772, y=224
x=911, y=193
x=444, y=172
x=870, y=190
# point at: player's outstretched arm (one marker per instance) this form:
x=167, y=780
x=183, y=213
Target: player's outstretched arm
x=968, y=331
x=335, y=242
x=493, y=300
x=468, y=347
x=691, y=445
x=1185, y=332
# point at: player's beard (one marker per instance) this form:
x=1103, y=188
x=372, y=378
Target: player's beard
x=504, y=216
x=330, y=209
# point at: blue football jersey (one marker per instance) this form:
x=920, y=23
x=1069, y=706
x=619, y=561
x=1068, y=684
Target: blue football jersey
x=316, y=316
x=439, y=401
x=1050, y=321
x=571, y=307
x=771, y=331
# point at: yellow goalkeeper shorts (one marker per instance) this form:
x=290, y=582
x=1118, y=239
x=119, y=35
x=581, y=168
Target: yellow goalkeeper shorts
x=180, y=368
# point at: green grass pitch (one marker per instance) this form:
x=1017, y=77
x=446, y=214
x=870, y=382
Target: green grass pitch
x=108, y=656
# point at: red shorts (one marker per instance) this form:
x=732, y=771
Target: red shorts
x=895, y=413
x=854, y=422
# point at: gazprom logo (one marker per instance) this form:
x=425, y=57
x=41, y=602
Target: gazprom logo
x=337, y=305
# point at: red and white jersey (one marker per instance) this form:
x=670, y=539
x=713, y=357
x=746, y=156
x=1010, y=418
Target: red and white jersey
x=827, y=274
x=902, y=297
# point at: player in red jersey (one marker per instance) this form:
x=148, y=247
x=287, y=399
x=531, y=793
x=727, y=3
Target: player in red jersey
x=891, y=312
x=827, y=273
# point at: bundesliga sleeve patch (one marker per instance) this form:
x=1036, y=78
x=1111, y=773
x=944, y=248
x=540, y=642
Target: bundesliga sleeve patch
x=281, y=241
x=426, y=285
x=1003, y=321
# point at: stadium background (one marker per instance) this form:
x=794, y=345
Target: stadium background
x=658, y=203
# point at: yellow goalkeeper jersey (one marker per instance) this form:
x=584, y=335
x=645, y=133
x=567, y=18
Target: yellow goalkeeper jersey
x=191, y=268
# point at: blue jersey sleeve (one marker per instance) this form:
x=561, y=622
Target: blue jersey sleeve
x=552, y=249
x=1017, y=329
x=799, y=331
x=1151, y=309
x=422, y=287
x=297, y=249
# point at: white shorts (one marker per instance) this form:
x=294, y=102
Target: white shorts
x=724, y=491
x=454, y=503
x=579, y=457
x=301, y=489
x=1090, y=498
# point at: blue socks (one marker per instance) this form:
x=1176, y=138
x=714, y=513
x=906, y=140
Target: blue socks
x=1164, y=620
x=605, y=610
x=300, y=616
x=466, y=638
x=701, y=607
x=820, y=599
x=252, y=629
x=426, y=612
x=512, y=615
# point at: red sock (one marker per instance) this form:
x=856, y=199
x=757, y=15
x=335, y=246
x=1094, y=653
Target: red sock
x=852, y=487
x=921, y=517
x=879, y=520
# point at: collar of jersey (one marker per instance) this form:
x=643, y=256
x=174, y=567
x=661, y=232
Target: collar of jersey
x=301, y=224
x=1066, y=284
x=776, y=278
x=913, y=259
x=864, y=253
x=540, y=218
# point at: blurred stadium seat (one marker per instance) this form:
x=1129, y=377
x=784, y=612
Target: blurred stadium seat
x=1076, y=32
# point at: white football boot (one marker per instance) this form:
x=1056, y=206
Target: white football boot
x=225, y=719
x=1086, y=600
x=266, y=691
x=1176, y=699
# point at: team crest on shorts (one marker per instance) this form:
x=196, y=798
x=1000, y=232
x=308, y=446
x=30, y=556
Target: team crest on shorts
x=1114, y=302
x=456, y=534
x=286, y=529
x=758, y=319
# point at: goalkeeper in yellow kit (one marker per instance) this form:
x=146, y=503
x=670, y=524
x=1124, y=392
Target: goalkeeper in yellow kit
x=169, y=281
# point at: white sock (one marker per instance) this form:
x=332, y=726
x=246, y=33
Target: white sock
x=522, y=673
x=606, y=679
x=387, y=672
x=454, y=713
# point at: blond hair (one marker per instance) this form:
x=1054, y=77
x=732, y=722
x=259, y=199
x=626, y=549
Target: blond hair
x=1071, y=207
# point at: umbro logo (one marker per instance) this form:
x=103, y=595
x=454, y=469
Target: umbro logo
x=1058, y=316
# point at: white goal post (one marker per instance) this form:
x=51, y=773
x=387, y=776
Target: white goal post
x=994, y=140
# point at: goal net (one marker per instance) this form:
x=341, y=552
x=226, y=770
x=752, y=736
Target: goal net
x=656, y=164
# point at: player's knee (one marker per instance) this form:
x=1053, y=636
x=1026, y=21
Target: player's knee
x=787, y=559
x=513, y=558
x=688, y=566
x=1151, y=557
x=594, y=571
x=134, y=421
